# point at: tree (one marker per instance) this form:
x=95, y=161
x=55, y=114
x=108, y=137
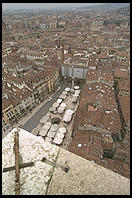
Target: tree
x=118, y=22
x=106, y=22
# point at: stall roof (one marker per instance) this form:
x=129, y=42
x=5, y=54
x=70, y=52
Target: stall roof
x=52, y=109
x=54, y=127
x=67, y=89
x=76, y=87
x=62, y=96
x=63, y=104
x=62, y=130
x=51, y=134
x=44, y=119
x=67, y=118
x=43, y=132
x=47, y=125
x=65, y=92
x=56, y=104
x=69, y=112
x=57, y=140
x=48, y=139
x=59, y=100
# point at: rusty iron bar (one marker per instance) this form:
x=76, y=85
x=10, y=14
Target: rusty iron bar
x=20, y=166
x=17, y=171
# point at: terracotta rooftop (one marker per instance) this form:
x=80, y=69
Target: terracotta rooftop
x=5, y=103
x=106, y=114
x=90, y=145
x=118, y=73
x=125, y=106
x=124, y=85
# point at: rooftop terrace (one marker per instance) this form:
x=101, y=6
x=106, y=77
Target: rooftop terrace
x=56, y=171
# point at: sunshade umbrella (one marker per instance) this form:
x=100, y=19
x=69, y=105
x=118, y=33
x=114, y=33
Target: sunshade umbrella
x=74, y=99
x=55, y=105
x=54, y=127
x=67, y=118
x=51, y=134
x=76, y=87
x=75, y=95
x=60, y=111
x=48, y=139
x=43, y=132
x=67, y=89
x=62, y=130
x=62, y=96
x=52, y=109
x=60, y=135
x=77, y=91
x=61, y=108
x=44, y=119
x=58, y=140
x=63, y=105
x=59, y=100
x=69, y=112
x=65, y=92
x=47, y=125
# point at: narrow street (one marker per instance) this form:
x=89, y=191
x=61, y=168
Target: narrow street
x=34, y=120
x=31, y=120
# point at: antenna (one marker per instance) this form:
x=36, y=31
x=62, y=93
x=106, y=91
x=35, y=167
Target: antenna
x=17, y=171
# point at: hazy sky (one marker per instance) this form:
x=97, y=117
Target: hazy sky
x=45, y=5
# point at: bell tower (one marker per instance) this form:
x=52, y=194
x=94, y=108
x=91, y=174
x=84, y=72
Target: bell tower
x=60, y=51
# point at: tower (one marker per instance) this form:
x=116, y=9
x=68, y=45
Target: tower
x=60, y=53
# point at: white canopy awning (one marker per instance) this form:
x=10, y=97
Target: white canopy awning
x=63, y=105
x=54, y=127
x=47, y=125
x=60, y=110
x=65, y=92
x=67, y=118
x=67, y=89
x=43, y=132
x=74, y=98
x=51, y=134
x=62, y=96
x=62, y=130
x=77, y=91
x=60, y=135
x=57, y=140
x=56, y=105
x=76, y=94
x=52, y=109
x=48, y=139
x=76, y=87
x=59, y=100
x=69, y=112
x=44, y=119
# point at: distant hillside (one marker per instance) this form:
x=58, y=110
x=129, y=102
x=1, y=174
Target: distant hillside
x=106, y=5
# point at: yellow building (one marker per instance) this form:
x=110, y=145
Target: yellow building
x=52, y=25
x=8, y=112
x=50, y=83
